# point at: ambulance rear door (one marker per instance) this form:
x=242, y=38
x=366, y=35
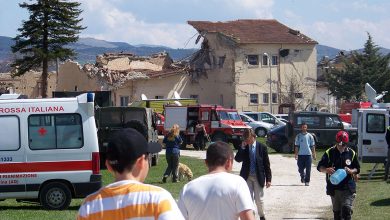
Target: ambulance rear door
x=12, y=180
x=371, y=138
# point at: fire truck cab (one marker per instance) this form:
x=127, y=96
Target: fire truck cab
x=221, y=124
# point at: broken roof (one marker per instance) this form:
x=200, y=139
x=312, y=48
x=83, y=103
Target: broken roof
x=115, y=74
x=254, y=31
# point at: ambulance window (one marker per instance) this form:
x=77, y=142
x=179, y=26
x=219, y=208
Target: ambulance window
x=375, y=123
x=62, y=131
x=10, y=137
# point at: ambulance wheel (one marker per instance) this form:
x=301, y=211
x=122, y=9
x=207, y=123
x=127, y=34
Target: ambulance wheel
x=55, y=196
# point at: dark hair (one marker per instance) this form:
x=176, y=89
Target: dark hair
x=303, y=123
x=248, y=133
x=218, y=153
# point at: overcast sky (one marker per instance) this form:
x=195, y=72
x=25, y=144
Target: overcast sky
x=337, y=23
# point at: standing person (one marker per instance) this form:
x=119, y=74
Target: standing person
x=218, y=195
x=255, y=168
x=172, y=143
x=337, y=157
x=304, y=151
x=200, y=133
x=388, y=153
x=129, y=198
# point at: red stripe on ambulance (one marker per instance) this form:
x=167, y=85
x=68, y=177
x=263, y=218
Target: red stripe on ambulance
x=32, y=167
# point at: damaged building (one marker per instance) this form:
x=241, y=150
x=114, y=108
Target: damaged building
x=256, y=65
x=232, y=68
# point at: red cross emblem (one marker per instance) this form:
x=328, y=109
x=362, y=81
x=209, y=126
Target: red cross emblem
x=42, y=131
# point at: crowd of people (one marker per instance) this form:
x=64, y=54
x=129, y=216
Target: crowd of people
x=223, y=195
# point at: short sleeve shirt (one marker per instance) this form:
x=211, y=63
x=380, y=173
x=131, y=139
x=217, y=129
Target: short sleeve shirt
x=304, y=143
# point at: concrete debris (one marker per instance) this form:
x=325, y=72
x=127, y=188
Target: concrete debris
x=115, y=69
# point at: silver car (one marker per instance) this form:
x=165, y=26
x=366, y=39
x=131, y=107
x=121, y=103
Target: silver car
x=261, y=128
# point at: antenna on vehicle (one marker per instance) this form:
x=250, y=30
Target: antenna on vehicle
x=371, y=94
x=178, y=103
x=176, y=95
x=143, y=97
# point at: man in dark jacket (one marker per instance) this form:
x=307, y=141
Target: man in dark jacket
x=388, y=152
x=255, y=168
x=343, y=194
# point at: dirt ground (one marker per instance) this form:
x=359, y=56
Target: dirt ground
x=288, y=198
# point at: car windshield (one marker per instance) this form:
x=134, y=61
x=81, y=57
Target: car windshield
x=229, y=115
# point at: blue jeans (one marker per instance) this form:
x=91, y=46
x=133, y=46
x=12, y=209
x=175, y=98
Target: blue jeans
x=304, y=163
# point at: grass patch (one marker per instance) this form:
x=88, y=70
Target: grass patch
x=372, y=197
x=10, y=209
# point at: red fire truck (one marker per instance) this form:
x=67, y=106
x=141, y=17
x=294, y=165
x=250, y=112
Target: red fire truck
x=347, y=107
x=221, y=124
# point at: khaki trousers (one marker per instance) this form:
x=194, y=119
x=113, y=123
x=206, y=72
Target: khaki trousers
x=257, y=193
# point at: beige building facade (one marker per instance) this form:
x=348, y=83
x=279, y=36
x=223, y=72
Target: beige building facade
x=229, y=69
x=29, y=84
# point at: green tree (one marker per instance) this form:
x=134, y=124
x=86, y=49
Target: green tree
x=52, y=25
x=357, y=69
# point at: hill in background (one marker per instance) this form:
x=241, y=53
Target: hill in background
x=88, y=48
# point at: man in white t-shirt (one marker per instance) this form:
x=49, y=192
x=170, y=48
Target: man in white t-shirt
x=218, y=194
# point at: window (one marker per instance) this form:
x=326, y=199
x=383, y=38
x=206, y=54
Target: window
x=299, y=95
x=159, y=97
x=253, y=99
x=265, y=60
x=275, y=60
x=311, y=121
x=266, y=98
x=61, y=131
x=274, y=98
x=375, y=123
x=253, y=60
x=332, y=122
x=194, y=96
x=267, y=118
x=9, y=137
x=205, y=116
x=221, y=61
x=124, y=100
x=253, y=115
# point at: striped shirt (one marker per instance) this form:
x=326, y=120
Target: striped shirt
x=129, y=199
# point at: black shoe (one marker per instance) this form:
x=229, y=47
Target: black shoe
x=164, y=179
x=307, y=184
x=302, y=180
x=262, y=218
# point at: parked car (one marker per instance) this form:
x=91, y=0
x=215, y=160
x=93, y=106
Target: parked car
x=282, y=117
x=264, y=117
x=322, y=125
x=261, y=128
x=277, y=139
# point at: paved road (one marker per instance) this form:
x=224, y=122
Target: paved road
x=288, y=198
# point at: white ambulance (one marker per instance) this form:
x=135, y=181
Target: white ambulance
x=48, y=150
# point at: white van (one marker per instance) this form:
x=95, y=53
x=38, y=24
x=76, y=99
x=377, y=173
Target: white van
x=48, y=150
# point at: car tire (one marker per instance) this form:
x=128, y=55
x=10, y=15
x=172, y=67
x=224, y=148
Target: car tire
x=219, y=136
x=261, y=132
x=55, y=196
x=236, y=144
